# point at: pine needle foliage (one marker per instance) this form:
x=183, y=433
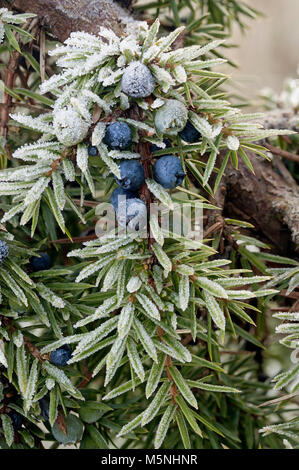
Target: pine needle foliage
x=158, y=326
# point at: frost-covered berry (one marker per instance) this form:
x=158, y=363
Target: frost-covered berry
x=131, y=175
x=189, y=133
x=168, y=171
x=154, y=148
x=41, y=262
x=119, y=194
x=137, y=80
x=171, y=118
x=16, y=420
x=60, y=356
x=44, y=404
x=132, y=214
x=92, y=151
x=70, y=128
x=118, y=136
x=4, y=250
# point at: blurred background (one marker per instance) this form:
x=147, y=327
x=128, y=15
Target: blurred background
x=268, y=52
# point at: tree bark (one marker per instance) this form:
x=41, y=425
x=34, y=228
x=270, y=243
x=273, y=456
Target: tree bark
x=61, y=17
x=269, y=199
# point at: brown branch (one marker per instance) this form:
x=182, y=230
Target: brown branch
x=64, y=16
x=7, y=99
x=268, y=199
x=282, y=153
x=67, y=241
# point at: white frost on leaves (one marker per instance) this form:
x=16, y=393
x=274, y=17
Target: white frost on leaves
x=37, y=190
x=291, y=316
x=104, y=154
x=180, y=74
x=112, y=78
x=48, y=295
x=134, y=359
x=98, y=133
x=118, y=155
x=163, y=426
x=140, y=125
x=8, y=429
x=82, y=157
x=162, y=257
x=151, y=53
x=68, y=170
x=10, y=17
x=50, y=383
x=121, y=61
x=125, y=320
x=160, y=193
x=157, y=103
x=37, y=123
x=102, y=103
x=157, y=275
x=70, y=128
x=215, y=311
x=59, y=376
x=163, y=77
x=38, y=150
x=114, y=358
x=2, y=31
x=232, y=142
x=204, y=127
x=137, y=80
x=148, y=306
x=134, y=284
x=135, y=28
x=18, y=339
x=156, y=230
x=171, y=117
x=24, y=173
x=3, y=359
x=81, y=107
x=184, y=290
x=129, y=45
x=112, y=275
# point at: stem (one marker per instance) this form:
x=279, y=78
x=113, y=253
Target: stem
x=282, y=153
x=7, y=99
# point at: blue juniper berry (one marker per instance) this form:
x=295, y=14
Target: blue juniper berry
x=118, y=194
x=154, y=148
x=60, y=356
x=4, y=250
x=16, y=420
x=137, y=80
x=118, y=136
x=132, y=214
x=92, y=151
x=131, y=175
x=41, y=262
x=168, y=171
x=44, y=404
x=190, y=134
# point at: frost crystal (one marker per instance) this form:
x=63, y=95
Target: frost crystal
x=1, y=32
x=132, y=215
x=137, y=80
x=232, y=142
x=3, y=360
x=133, y=284
x=70, y=128
x=130, y=45
x=171, y=117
